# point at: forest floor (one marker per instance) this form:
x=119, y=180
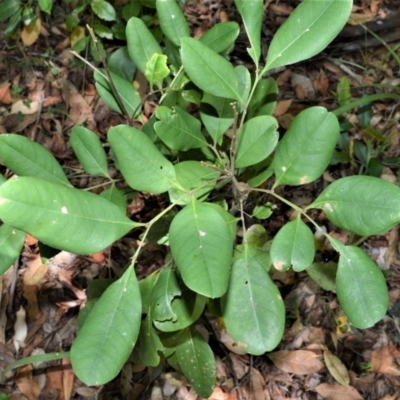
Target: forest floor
x=320, y=349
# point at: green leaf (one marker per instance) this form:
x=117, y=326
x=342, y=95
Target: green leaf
x=323, y=274
x=257, y=140
x=109, y=333
x=221, y=36
x=46, y=6
x=208, y=70
x=116, y=197
x=164, y=291
x=361, y=288
x=141, y=43
x=306, y=148
x=192, y=175
x=172, y=21
x=149, y=344
x=90, y=152
x=27, y=158
x=364, y=205
x=28, y=16
x=178, y=129
x=11, y=243
x=128, y=94
x=103, y=10
x=188, y=307
x=196, y=360
x=62, y=217
x=201, y=243
x=8, y=8
x=252, y=12
x=264, y=99
x=157, y=70
x=308, y=30
x=13, y=23
x=141, y=163
x=35, y=359
x=293, y=245
x=217, y=116
x=244, y=83
x=120, y=63
x=103, y=31
x=253, y=309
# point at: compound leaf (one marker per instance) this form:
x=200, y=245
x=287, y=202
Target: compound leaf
x=364, y=205
x=109, y=333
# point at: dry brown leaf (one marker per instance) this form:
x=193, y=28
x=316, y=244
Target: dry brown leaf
x=257, y=385
x=282, y=107
x=24, y=107
x=5, y=93
x=337, y=392
x=382, y=360
x=31, y=32
x=300, y=362
x=68, y=377
x=336, y=368
x=28, y=387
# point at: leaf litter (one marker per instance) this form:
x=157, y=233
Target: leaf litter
x=320, y=354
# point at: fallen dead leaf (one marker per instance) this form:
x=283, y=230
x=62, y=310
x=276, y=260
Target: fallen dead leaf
x=336, y=368
x=337, y=392
x=5, y=93
x=31, y=32
x=28, y=387
x=382, y=360
x=24, y=107
x=299, y=362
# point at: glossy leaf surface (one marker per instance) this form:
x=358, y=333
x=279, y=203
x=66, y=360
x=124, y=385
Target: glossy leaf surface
x=141, y=163
x=27, y=158
x=109, y=333
x=307, y=31
x=364, y=205
x=62, y=217
x=201, y=244
x=253, y=309
x=293, y=246
x=208, y=70
x=306, y=148
x=361, y=288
